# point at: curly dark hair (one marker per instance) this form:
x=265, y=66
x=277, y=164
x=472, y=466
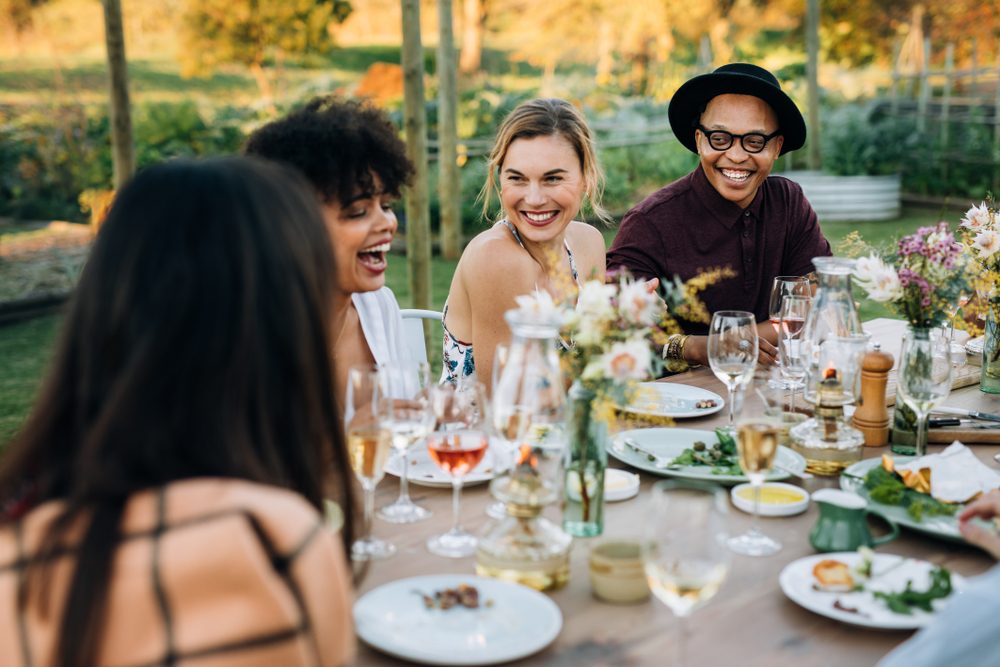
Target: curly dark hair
x=337, y=145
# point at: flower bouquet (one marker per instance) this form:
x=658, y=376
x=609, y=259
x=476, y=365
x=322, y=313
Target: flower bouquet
x=981, y=238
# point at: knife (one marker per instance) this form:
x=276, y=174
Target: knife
x=974, y=414
x=953, y=422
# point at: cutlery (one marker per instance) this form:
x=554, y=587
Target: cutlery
x=949, y=422
x=657, y=460
x=793, y=473
x=974, y=414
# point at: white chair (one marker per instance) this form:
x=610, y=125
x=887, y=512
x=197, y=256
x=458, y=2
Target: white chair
x=413, y=329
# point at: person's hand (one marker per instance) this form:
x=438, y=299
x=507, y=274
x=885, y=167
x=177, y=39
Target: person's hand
x=986, y=507
x=652, y=285
x=696, y=350
x=767, y=354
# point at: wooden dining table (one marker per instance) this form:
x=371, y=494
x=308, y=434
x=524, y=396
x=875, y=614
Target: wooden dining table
x=748, y=623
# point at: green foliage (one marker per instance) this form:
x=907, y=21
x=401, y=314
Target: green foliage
x=887, y=488
x=241, y=31
x=858, y=140
x=905, y=601
x=25, y=349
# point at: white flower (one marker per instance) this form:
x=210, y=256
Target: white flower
x=977, y=218
x=594, y=301
x=625, y=361
x=638, y=305
x=987, y=242
x=878, y=279
x=538, y=307
x=587, y=331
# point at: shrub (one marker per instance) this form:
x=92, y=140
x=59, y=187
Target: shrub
x=859, y=140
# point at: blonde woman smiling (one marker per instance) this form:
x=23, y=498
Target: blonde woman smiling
x=544, y=169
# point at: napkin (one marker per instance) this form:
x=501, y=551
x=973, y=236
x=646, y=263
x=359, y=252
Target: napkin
x=956, y=474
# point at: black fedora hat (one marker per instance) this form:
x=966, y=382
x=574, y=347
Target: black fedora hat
x=737, y=79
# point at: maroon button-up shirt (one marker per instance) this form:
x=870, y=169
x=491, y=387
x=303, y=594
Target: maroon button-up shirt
x=687, y=227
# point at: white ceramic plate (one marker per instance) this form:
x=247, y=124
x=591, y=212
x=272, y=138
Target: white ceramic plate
x=939, y=526
x=670, y=399
x=671, y=442
x=424, y=471
x=520, y=621
x=742, y=497
x=797, y=580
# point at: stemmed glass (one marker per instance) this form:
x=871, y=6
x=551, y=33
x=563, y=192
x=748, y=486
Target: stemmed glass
x=924, y=378
x=782, y=288
x=757, y=442
x=457, y=446
x=732, y=351
x=683, y=548
x=410, y=418
x=368, y=438
x=498, y=509
x=794, y=310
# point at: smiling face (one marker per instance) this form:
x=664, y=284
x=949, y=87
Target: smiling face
x=541, y=186
x=361, y=230
x=735, y=173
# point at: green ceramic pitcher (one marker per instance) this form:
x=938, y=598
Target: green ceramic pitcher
x=843, y=522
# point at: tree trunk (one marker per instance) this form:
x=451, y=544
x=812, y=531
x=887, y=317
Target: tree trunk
x=449, y=192
x=123, y=152
x=471, y=57
x=418, y=242
x=812, y=74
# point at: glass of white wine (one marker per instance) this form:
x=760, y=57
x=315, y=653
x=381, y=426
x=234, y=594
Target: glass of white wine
x=757, y=442
x=406, y=386
x=924, y=377
x=368, y=441
x=732, y=351
x=684, y=548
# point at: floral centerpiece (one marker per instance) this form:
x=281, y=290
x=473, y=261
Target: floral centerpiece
x=922, y=281
x=981, y=237
x=611, y=336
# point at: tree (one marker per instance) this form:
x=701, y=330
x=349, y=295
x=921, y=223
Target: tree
x=473, y=20
x=449, y=189
x=18, y=12
x=123, y=151
x=248, y=31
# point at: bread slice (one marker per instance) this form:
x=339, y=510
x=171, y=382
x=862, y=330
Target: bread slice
x=833, y=575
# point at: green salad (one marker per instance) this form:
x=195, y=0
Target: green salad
x=721, y=456
x=887, y=488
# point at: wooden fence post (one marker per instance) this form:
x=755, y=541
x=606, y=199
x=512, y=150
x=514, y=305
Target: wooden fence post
x=123, y=150
x=812, y=74
x=996, y=131
x=894, y=85
x=949, y=66
x=925, y=87
x=449, y=193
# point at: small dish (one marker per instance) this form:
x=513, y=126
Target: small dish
x=617, y=573
x=776, y=499
x=620, y=484
x=672, y=399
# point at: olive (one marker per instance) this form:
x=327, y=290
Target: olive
x=699, y=446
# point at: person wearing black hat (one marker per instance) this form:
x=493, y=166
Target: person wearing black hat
x=728, y=211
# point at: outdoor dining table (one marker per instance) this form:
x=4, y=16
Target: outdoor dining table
x=748, y=623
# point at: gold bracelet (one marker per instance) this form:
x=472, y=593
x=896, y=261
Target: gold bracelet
x=674, y=353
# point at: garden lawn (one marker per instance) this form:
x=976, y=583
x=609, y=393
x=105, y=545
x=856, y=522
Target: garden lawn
x=25, y=348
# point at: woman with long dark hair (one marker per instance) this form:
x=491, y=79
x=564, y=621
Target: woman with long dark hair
x=164, y=499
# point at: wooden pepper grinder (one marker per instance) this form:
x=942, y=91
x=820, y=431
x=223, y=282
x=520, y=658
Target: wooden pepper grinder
x=871, y=416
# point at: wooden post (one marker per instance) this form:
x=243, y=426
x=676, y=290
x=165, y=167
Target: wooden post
x=894, y=85
x=974, y=81
x=123, y=152
x=925, y=87
x=949, y=67
x=418, y=242
x=996, y=131
x=472, y=36
x=812, y=74
x=449, y=192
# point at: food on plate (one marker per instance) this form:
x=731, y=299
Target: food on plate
x=721, y=456
x=886, y=486
x=706, y=403
x=462, y=596
x=833, y=576
x=906, y=600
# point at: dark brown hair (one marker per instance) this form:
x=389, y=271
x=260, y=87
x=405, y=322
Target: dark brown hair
x=197, y=344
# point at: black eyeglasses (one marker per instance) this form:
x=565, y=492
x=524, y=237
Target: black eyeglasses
x=752, y=142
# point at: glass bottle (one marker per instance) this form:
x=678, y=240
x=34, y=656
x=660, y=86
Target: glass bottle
x=586, y=461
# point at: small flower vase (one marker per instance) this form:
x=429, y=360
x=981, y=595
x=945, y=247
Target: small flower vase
x=585, y=461
x=989, y=379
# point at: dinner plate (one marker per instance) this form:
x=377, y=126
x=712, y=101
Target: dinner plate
x=890, y=573
x=945, y=527
x=670, y=399
x=512, y=621
x=425, y=472
x=671, y=442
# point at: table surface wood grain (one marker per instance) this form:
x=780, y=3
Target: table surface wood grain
x=749, y=623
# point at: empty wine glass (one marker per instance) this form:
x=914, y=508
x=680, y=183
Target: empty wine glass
x=924, y=377
x=409, y=418
x=457, y=445
x=794, y=310
x=683, y=548
x=732, y=351
x=368, y=442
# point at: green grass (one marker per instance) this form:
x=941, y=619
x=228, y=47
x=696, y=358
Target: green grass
x=25, y=348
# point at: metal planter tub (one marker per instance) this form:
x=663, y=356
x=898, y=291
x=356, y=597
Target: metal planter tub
x=850, y=197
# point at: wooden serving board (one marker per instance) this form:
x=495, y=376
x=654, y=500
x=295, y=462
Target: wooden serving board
x=968, y=436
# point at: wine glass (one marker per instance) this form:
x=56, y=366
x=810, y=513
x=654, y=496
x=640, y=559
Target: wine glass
x=368, y=443
x=794, y=310
x=786, y=286
x=683, y=548
x=924, y=377
x=457, y=445
x=498, y=509
x=757, y=442
x=732, y=351
x=410, y=418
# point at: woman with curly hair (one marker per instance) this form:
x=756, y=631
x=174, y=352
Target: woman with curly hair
x=352, y=155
